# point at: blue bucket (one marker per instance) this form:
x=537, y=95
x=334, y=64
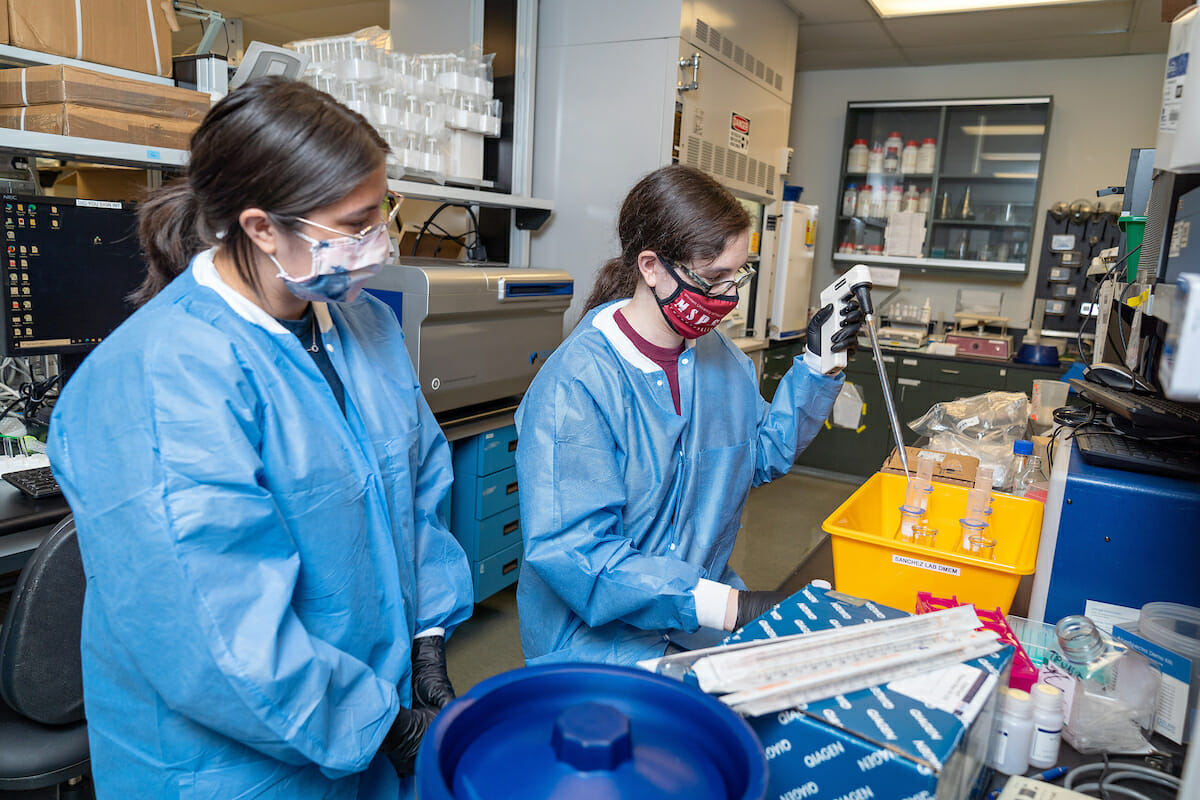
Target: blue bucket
x=585, y=732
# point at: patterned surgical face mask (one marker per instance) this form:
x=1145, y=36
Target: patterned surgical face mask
x=340, y=266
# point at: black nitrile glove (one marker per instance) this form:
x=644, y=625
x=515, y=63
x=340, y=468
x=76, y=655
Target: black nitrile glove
x=846, y=336
x=751, y=605
x=430, y=684
x=403, y=740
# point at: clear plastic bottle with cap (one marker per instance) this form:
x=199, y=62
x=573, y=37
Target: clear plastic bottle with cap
x=1047, y=726
x=1022, y=450
x=1030, y=479
x=1110, y=692
x=1012, y=734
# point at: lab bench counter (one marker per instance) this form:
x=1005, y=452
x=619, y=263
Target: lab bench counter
x=24, y=522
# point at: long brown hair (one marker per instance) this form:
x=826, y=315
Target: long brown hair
x=678, y=212
x=274, y=144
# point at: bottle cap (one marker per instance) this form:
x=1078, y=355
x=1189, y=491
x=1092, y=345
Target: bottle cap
x=860, y=141
x=1023, y=447
x=1047, y=698
x=894, y=135
x=911, y=143
x=929, y=141
x=1019, y=703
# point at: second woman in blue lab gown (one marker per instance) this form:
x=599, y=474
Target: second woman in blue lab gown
x=256, y=477
x=630, y=505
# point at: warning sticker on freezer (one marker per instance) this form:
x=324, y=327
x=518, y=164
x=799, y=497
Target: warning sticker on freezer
x=929, y=565
x=1177, y=67
x=739, y=133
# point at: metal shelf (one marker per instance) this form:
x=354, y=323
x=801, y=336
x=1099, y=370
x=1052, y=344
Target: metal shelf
x=457, y=194
x=50, y=145
x=988, y=178
x=1003, y=267
x=20, y=57
x=971, y=223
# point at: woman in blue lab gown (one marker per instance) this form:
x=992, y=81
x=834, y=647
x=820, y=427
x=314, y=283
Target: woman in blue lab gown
x=642, y=435
x=256, y=478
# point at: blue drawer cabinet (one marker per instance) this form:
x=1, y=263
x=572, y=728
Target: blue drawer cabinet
x=485, y=508
x=497, y=571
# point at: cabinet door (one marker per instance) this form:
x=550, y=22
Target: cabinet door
x=854, y=452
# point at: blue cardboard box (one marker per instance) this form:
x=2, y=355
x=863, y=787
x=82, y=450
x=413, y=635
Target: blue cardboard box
x=878, y=742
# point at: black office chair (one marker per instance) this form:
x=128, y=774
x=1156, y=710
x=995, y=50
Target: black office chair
x=43, y=734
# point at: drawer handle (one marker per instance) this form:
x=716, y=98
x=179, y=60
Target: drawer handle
x=510, y=566
x=512, y=526
x=950, y=371
x=512, y=446
x=511, y=488
x=909, y=362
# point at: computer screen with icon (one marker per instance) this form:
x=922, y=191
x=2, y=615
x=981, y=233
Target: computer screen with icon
x=69, y=266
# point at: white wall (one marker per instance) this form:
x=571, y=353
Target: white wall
x=1102, y=108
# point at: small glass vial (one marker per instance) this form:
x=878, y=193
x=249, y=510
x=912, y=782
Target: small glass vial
x=908, y=157
x=924, y=534
x=875, y=159
x=856, y=157
x=981, y=547
x=970, y=527
x=1014, y=730
x=1047, y=726
x=926, y=156
x=850, y=200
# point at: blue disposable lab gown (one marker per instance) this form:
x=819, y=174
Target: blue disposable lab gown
x=625, y=504
x=257, y=563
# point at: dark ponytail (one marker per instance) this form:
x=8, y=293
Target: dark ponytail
x=167, y=229
x=678, y=212
x=273, y=144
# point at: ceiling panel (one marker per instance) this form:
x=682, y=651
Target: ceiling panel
x=825, y=12
x=1032, y=50
x=850, y=35
x=851, y=59
x=1012, y=25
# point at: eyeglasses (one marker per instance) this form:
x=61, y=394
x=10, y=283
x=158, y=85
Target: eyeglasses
x=718, y=289
x=396, y=200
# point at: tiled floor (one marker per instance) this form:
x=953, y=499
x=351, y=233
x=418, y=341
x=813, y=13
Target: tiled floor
x=781, y=524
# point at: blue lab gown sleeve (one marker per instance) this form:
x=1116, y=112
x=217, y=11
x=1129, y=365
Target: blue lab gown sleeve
x=803, y=401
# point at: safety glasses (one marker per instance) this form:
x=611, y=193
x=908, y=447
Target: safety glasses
x=718, y=289
x=391, y=197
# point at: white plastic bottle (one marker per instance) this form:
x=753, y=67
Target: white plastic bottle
x=891, y=161
x=894, y=141
x=875, y=160
x=908, y=157
x=856, y=158
x=850, y=200
x=895, y=199
x=911, y=199
x=926, y=201
x=926, y=156
x=863, y=206
x=1013, y=732
x=1047, y=726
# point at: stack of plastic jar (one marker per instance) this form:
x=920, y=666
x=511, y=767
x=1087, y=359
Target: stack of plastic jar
x=914, y=526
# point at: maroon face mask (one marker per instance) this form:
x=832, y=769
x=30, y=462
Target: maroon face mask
x=692, y=314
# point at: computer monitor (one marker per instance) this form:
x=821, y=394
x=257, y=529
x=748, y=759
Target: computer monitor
x=69, y=266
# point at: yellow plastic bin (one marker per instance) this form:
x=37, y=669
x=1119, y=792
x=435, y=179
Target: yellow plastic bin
x=870, y=562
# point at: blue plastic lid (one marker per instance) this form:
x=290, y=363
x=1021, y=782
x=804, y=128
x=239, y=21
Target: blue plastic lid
x=1022, y=447
x=791, y=192
x=589, y=731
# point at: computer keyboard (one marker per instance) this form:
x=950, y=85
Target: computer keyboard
x=1104, y=448
x=37, y=483
x=1144, y=411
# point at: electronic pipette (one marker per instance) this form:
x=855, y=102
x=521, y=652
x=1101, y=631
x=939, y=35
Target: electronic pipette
x=857, y=283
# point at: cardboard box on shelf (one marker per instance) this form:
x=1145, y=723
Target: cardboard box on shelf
x=70, y=119
x=3, y=21
x=103, y=183
x=130, y=34
x=948, y=468
x=921, y=737
x=57, y=83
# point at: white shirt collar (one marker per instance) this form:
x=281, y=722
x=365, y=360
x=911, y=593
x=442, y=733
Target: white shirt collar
x=206, y=275
x=605, y=321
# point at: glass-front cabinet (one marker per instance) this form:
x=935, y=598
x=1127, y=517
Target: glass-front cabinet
x=948, y=184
